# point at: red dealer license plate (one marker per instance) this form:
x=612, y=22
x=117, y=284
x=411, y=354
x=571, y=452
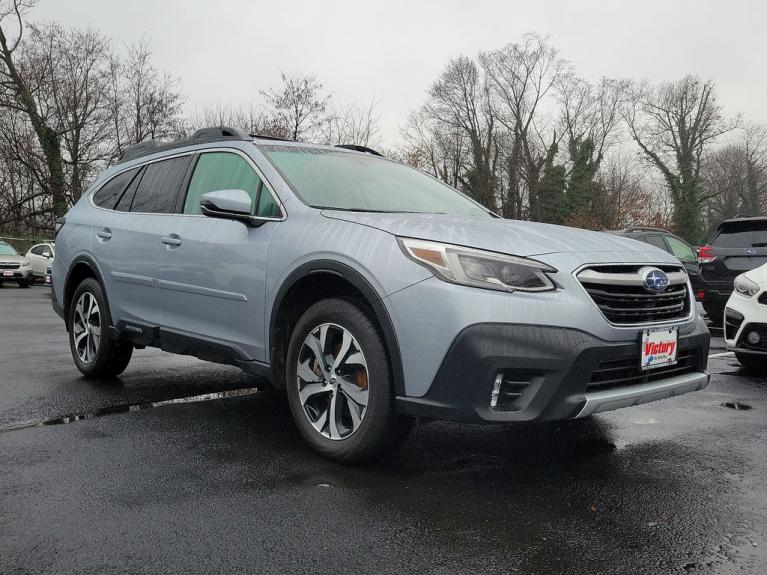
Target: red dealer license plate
x=659, y=347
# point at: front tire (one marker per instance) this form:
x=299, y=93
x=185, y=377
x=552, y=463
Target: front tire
x=755, y=363
x=95, y=354
x=24, y=283
x=339, y=383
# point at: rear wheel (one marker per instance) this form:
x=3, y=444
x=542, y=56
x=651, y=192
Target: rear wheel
x=339, y=383
x=95, y=354
x=755, y=363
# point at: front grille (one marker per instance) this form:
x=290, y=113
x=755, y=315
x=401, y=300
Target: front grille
x=619, y=294
x=732, y=323
x=9, y=266
x=626, y=372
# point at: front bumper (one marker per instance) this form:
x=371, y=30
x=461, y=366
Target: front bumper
x=23, y=274
x=555, y=373
x=742, y=317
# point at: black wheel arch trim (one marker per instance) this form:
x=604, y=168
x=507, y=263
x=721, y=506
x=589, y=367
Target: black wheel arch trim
x=91, y=263
x=374, y=301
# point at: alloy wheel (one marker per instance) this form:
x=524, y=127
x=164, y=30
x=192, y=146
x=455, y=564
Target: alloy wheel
x=332, y=379
x=86, y=327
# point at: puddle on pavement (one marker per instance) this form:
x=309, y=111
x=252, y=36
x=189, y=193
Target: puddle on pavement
x=126, y=408
x=736, y=406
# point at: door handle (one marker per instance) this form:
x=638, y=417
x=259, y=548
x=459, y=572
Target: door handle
x=104, y=234
x=171, y=240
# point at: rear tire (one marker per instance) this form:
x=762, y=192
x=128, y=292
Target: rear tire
x=96, y=355
x=343, y=409
x=755, y=363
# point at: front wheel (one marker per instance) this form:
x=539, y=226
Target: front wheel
x=95, y=354
x=339, y=383
x=755, y=363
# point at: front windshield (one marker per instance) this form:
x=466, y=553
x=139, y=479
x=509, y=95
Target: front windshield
x=342, y=180
x=7, y=250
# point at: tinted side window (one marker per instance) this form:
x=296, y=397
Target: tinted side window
x=37, y=250
x=123, y=204
x=160, y=185
x=656, y=241
x=109, y=193
x=220, y=171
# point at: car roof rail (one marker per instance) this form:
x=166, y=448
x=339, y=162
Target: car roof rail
x=646, y=229
x=275, y=138
x=201, y=136
x=358, y=148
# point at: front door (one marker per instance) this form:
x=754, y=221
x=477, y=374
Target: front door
x=211, y=272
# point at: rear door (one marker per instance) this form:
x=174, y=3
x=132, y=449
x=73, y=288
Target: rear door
x=212, y=271
x=126, y=237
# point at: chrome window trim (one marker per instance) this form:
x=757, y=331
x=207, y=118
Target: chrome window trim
x=265, y=182
x=690, y=298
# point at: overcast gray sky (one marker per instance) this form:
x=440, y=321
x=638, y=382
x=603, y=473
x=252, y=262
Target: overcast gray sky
x=390, y=51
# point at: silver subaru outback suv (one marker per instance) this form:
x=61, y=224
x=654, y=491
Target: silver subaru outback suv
x=368, y=291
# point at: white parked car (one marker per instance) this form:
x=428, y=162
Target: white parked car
x=41, y=256
x=745, y=319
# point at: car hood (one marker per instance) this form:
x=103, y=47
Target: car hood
x=495, y=234
x=758, y=275
x=12, y=259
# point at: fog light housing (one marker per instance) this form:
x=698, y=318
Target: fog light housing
x=496, y=390
x=753, y=338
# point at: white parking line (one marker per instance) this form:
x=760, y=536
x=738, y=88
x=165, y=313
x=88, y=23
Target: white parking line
x=722, y=354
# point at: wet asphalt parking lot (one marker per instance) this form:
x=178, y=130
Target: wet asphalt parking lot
x=138, y=483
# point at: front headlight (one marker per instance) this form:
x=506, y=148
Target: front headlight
x=478, y=268
x=26, y=263
x=745, y=286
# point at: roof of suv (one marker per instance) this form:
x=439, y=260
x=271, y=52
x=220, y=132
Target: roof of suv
x=223, y=134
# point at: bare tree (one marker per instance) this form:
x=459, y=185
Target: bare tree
x=299, y=106
x=522, y=76
x=16, y=94
x=352, y=125
x=674, y=124
x=459, y=102
x=152, y=103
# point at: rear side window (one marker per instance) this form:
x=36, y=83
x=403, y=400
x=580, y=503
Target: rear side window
x=160, y=185
x=220, y=171
x=741, y=235
x=123, y=204
x=680, y=249
x=657, y=241
x=109, y=193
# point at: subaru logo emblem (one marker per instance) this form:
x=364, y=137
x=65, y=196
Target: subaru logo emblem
x=750, y=252
x=654, y=280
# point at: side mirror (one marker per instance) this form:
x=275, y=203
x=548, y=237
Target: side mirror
x=229, y=205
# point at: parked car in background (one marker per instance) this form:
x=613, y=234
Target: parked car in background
x=738, y=245
x=41, y=256
x=368, y=290
x=14, y=267
x=745, y=316
x=670, y=243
